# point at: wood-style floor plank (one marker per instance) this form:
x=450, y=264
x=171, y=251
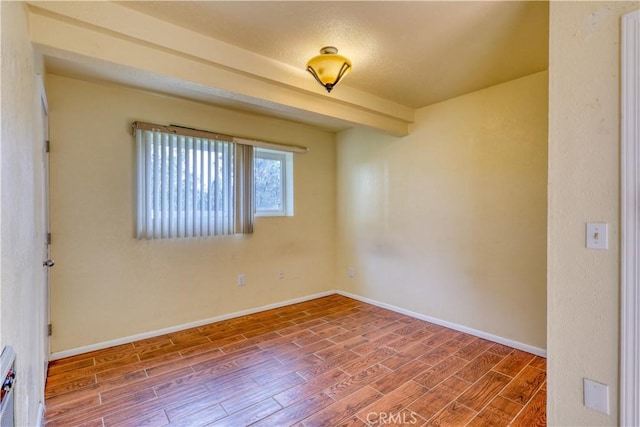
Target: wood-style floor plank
x=431, y=403
x=392, y=403
x=483, y=391
x=298, y=411
x=454, y=414
x=500, y=412
x=344, y=408
x=333, y=361
x=443, y=370
x=311, y=387
x=395, y=379
x=478, y=367
x=523, y=387
x=534, y=414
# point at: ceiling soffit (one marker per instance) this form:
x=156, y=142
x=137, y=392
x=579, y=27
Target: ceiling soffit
x=82, y=33
x=406, y=54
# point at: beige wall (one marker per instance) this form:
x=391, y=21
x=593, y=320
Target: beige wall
x=22, y=277
x=450, y=221
x=108, y=285
x=584, y=173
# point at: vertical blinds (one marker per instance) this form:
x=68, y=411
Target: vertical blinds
x=192, y=186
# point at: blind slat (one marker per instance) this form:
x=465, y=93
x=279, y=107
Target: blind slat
x=194, y=194
x=157, y=173
x=188, y=193
x=209, y=179
x=173, y=169
x=148, y=190
x=202, y=189
x=229, y=208
x=216, y=189
x=180, y=228
x=164, y=186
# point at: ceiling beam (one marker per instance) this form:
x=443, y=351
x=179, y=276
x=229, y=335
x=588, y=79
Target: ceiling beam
x=86, y=32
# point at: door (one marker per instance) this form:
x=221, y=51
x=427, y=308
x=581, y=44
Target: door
x=47, y=263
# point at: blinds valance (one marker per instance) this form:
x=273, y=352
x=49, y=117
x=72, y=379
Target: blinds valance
x=197, y=133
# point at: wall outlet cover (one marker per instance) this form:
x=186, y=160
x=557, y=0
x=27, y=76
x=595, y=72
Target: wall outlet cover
x=596, y=396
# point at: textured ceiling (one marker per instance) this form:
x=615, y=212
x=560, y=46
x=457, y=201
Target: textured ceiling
x=414, y=53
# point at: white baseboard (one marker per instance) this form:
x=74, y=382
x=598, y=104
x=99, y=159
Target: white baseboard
x=150, y=334
x=510, y=343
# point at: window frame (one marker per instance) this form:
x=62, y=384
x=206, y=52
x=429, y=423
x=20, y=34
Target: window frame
x=286, y=177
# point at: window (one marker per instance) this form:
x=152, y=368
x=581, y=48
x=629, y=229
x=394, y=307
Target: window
x=193, y=183
x=189, y=186
x=273, y=177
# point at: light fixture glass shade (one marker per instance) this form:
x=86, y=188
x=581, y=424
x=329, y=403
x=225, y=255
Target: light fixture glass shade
x=329, y=68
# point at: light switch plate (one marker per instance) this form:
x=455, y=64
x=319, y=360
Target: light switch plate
x=597, y=236
x=596, y=396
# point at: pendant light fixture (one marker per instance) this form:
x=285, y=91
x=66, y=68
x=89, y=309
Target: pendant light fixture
x=328, y=68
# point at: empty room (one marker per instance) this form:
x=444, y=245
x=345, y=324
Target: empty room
x=318, y=213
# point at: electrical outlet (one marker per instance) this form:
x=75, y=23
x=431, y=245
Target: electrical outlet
x=281, y=275
x=242, y=280
x=352, y=272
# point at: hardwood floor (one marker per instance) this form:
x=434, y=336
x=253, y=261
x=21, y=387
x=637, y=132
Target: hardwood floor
x=332, y=361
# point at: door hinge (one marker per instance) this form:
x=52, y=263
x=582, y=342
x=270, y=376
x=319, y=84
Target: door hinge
x=48, y=238
x=50, y=329
x=47, y=146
